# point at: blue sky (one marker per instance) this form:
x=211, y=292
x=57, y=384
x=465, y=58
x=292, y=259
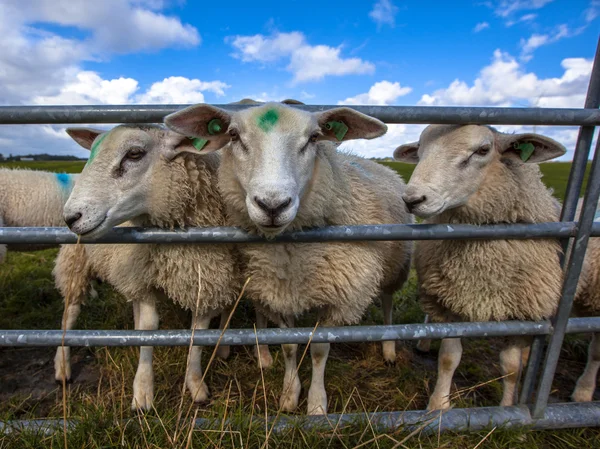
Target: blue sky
x=502, y=53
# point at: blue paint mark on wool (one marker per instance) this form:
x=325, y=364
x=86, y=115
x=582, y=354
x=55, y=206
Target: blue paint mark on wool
x=361, y=169
x=64, y=180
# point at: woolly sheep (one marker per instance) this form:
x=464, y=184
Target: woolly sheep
x=152, y=177
x=32, y=198
x=587, y=303
x=476, y=175
x=280, y=170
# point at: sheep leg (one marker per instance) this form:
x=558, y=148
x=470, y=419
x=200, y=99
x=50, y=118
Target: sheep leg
x=511, y=359
x=586, y=384
x=389, y=347
x=224, y=351
x=317, y=396
x=424, y=345
x=262, y=351
x=143, y=384
x=193, y=376
x=290, y=393
x=62, y=359
x=448, y=360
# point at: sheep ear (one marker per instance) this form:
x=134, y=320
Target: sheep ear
x=341, y=124
x=529, y=147
x=84, y=136
x=409, y=153
x=204, y=124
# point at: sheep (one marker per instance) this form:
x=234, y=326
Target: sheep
x=280, y=171
x=152, y=177
x=32, y=198
x=587, y=303
x=476, y=175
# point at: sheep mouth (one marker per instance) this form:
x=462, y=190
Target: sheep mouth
x=93, y=230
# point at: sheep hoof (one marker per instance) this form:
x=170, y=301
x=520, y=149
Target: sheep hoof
x=143, y=391
x=423, y=347
x=263, y=353
x=582, y=394
x=437, y=403
x=289, y=401
x=317, y=405
x=223, y=352
x=389, y=352
x=62, y=366
x=197, y=388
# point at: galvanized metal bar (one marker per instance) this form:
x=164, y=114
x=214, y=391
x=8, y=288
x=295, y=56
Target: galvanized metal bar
x=236, y=337
x=574, y=184
x=557, y=416
x=18, y=115
x=573, y=270
x=38, y=236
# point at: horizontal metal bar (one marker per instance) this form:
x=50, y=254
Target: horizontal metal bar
x=324, y=234
x=16, y=115
x=556, y=416
x=237, y=337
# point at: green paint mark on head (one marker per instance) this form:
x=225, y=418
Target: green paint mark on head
x=526, y=149
x=268, y=120
x=94, y=150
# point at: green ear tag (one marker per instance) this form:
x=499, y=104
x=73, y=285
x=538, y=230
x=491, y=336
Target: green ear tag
x=215, y=126
x=198, y=143
x=339, y=129
x=526, y=149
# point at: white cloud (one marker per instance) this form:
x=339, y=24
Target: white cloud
x=118, y=26
x=385, y=145
x=380, y=93
x=480, y=27
x=528, y=46
x=505, y=83
x=506, y=8
x=180, y=90
x=592, y=12
x=384, y=13
x=306, y=62
x=523, y=18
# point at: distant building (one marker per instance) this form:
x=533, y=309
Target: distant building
x=26, y=159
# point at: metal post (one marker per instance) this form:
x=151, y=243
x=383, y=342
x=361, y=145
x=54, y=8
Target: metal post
x=578, y=166
x=573, y=269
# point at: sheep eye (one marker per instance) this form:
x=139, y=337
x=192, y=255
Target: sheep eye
x=234, y=135
x=135, y=154
x=313, y=138
x=483, y=150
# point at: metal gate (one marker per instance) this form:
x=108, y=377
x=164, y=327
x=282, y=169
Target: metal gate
x=533, y=409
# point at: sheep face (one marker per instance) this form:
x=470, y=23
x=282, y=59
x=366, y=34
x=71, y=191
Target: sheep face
x=116, y=183
x=453, y=162
x=274, y=149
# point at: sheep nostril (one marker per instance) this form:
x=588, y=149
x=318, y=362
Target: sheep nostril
x=71, y=220
x=411, y=202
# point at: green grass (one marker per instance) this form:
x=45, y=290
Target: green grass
x=357, y=380
x=53, y=166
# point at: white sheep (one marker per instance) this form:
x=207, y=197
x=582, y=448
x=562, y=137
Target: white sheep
x=476, y=175
x=152, y=177
x=587, y=303
x=280, y=171
x=32, y=198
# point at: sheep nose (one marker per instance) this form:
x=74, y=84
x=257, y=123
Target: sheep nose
x=72, y=219
x=273, y=207
x=413, y=200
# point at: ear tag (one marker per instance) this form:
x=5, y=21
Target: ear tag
x=339, y=129
x=215, y=126
x=198, y=143
x=526, y=149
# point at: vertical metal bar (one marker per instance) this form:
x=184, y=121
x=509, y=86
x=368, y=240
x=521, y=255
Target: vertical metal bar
x=573, y=269
x=576, y=176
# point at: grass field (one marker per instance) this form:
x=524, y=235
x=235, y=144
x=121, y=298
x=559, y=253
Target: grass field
x=357, y=380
